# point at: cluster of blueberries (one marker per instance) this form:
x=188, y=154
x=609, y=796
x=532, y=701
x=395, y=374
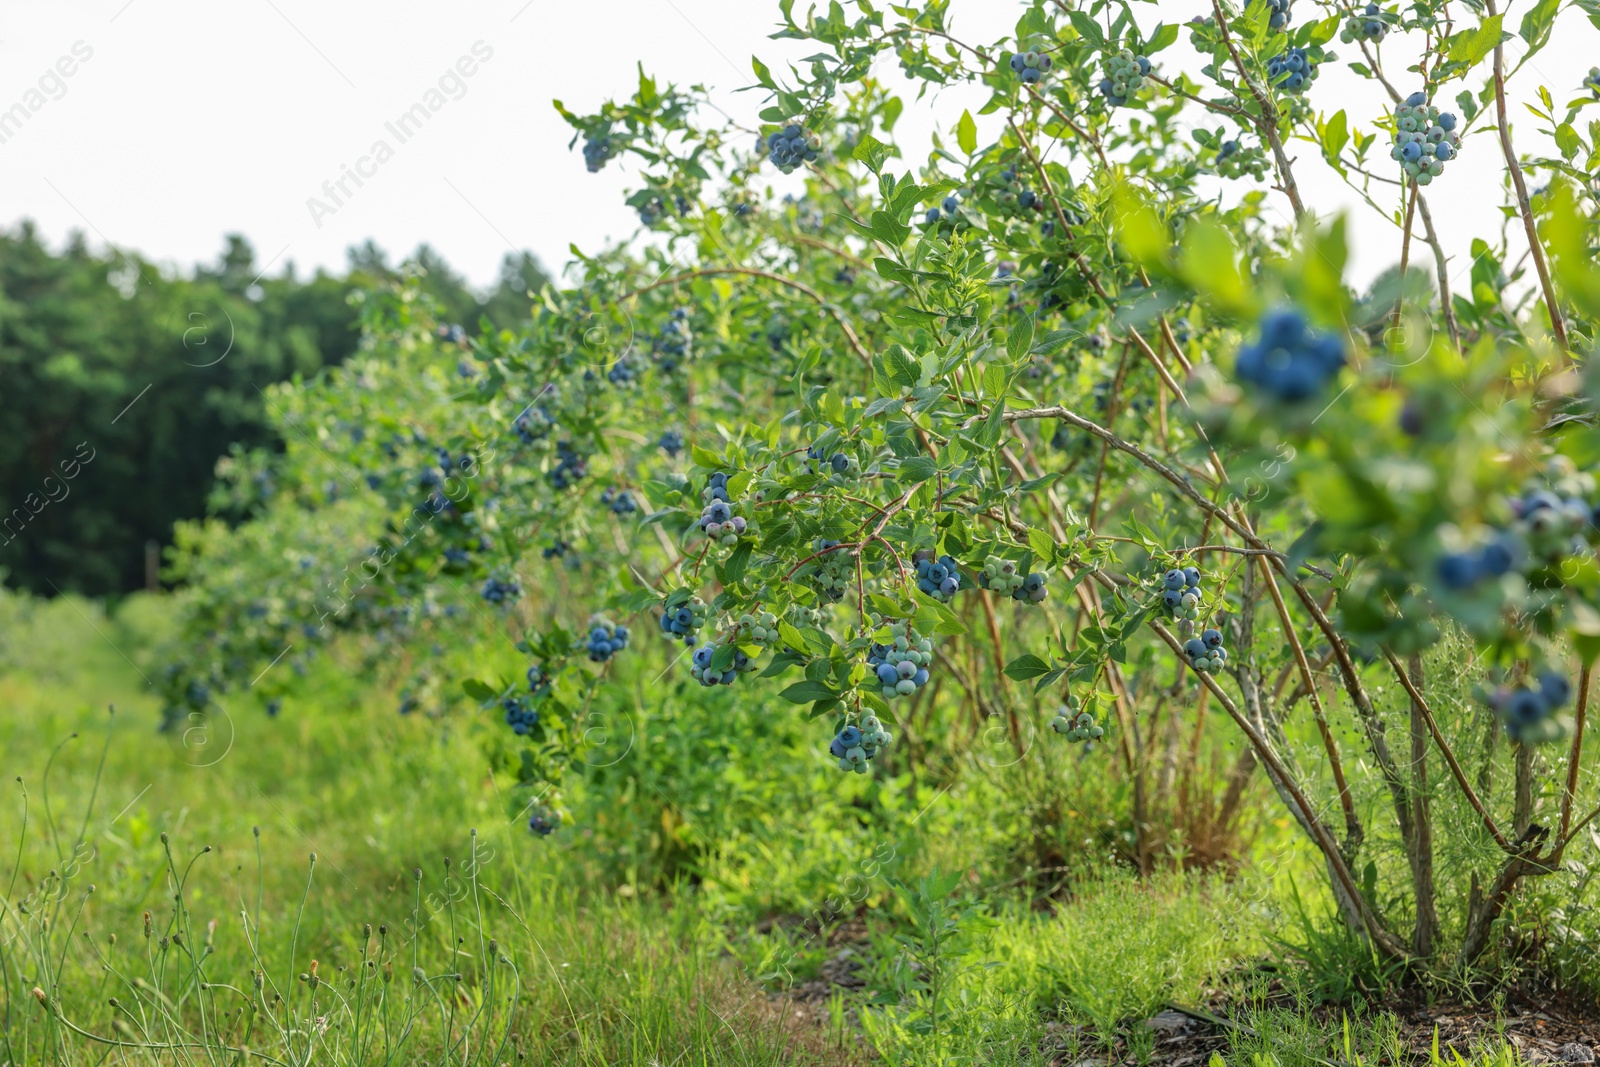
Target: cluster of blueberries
x=1205, y=653
x=901, y=665
x=1030, y=66
x=671, y=344
x=1460, y=571
x=939, y=578
x=520, y=716
x=1547, y=527
x=570, y=466
x=1233, y=161
x=1125, y=75
x=453, y=333
x=544, y=822
x=596, y=150
x=700, y=666
x=951, y=204
x=1280, y=16
x=1290, y=361
x=538, y=680
x=716, y=488
x=1292, y=70
x=606, y=639
x=620, y=501
x=1527, y=711
x=1013, y=194
x=1000, y=576
x=833, y=569
x=818, y=462
x=1592, y=82
x=718, y=522
x=853, y=746
x=533, y=424
x=1075, y=723
x=756, y=629
x=791, y=146
x=1367, y=26
x=671, y=443
x=1180, y=592
x=652, y=210
x=1425, y=138
x=684, y=621
x=556, y=549
x=621, y=372
x=496, y=591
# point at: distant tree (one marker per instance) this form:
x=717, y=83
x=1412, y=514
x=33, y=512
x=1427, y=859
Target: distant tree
x=137, y=380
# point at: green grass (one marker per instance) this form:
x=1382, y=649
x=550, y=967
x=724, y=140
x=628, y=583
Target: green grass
x=416, y=871
x=174, y=874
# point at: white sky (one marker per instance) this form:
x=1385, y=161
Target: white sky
x=193, y=119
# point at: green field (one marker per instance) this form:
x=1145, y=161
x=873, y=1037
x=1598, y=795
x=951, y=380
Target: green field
x=171, y=895
x=1052, y=592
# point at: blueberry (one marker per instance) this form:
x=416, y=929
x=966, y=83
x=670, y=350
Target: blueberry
x=1457, y=570
x=1495, y=559
x=1525, y=707
x=1174, y=579
x=1554, y=688
x=1212, y=638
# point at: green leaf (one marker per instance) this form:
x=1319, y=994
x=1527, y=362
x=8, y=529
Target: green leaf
x=900, y=368
x=790, y=636
x=763, y=75
x=1567, y=141
x=993, y=426
x=917, y=469
x=889, y=229
x=808, y=693
x=994, y=380
x=1025, y=667
x=478, y=690
x=1209, y=262
x=1335, y=135
x=1470, y=46
x=967, y=133
x=1166, y=36
x=1537, y=23
x=1020, y=337
x=733, y=570
x=872, y=152
x=1140, y=229
x=1043, y=545
x=1087, y=28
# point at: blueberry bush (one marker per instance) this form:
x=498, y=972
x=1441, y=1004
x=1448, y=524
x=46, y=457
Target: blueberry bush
x=1059, y=426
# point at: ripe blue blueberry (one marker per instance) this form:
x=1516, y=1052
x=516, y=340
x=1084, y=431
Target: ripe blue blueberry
x=1290, y=362
x=606, y=640
x=791, y=146
x=596, y=150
